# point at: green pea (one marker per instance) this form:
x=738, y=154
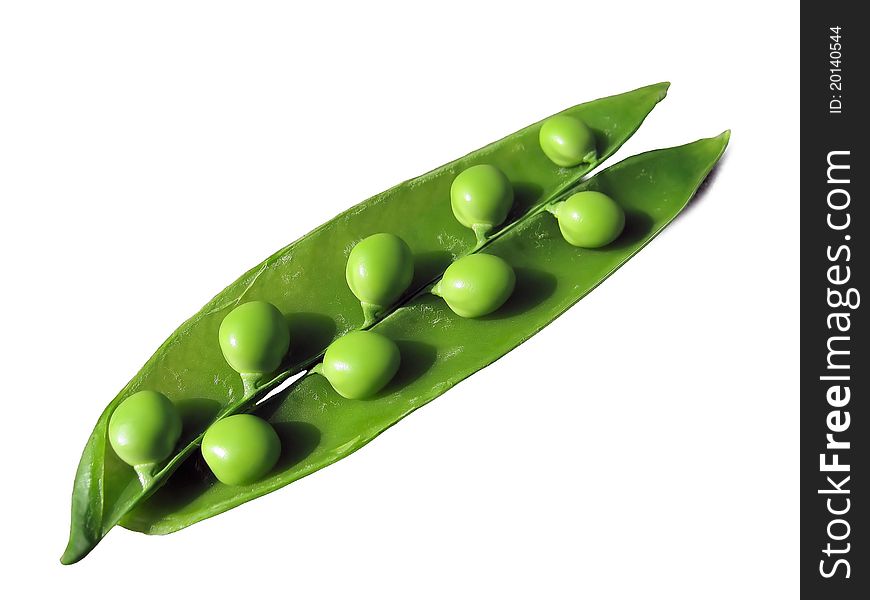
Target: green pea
x=240, y=449
x=358, y=365
x=481, y=197
x=476, y=285
x=144, y=428
x=589, y=219
x=379, y=270
x=567, y=141
x=254, y=337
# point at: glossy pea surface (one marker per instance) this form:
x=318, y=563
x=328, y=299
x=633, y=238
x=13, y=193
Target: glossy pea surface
x=476, y=285
x=144, y=428
x=567, y=141
x=359, y=364
x=590, y=219
x=379, y=269
x=481, y=197
x=254, y=337
x=240, y=449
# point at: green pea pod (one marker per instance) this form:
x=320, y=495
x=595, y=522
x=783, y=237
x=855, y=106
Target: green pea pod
x=438, y=348
x=189, y=368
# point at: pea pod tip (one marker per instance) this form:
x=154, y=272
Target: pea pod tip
x=662, y=87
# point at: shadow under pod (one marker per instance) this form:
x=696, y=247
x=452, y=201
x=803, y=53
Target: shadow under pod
x=709, y=180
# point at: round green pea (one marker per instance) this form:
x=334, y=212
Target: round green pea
x=567, y=141
x=254, y=337
x=481, y=197
x=476, y=285
x=358, y=365
x=379, y=269
x=590, y=219
x=240, y=449
x=144, y=428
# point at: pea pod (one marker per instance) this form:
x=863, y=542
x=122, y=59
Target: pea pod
x=439, y=348
x=189, y=367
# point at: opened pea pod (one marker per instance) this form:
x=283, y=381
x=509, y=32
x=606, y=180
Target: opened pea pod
x=314, y=304
x=440, y=347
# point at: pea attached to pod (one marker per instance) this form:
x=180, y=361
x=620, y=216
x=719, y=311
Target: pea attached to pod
x=481, y=197
x=358, y=365
x=240, y=449
x=476, y=285
x=567, y=141
x=254, y=338
x=379, y=270
x=143, y=431
x=589, y=219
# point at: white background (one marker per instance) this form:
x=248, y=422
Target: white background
x=644, y=445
